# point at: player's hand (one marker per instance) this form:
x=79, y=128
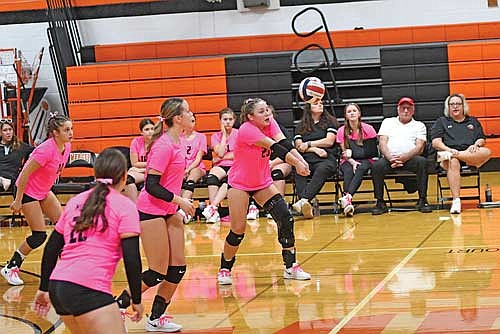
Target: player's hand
x=42, y=303
x=138, y=312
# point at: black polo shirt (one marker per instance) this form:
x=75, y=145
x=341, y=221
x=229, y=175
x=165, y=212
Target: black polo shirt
x=457, y=135
x=318, y=133
x=11, y=161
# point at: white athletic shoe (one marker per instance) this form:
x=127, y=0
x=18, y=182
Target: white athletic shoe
x=162, y=324
x=297, y=206
x=224, y=277
x=211, y=214
x=443, y=156
x=346, y=203
x=296, y=272
x=456, y=206
x=123, y=315
x=253, y=212
x=185, y=217
x=11, y=275
x=307, y=210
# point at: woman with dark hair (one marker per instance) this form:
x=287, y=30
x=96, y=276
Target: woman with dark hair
x=250, y=176
x=138, y=157
x=315, y=139
x=358, y=142
x=99, y=225
x=12, y=154
x=459, y=139
x=158, y=203
x=34, y=196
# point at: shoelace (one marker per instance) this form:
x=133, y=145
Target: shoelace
x=297, y=269
x=164, y=319
x=14, y=272
x=225, y=273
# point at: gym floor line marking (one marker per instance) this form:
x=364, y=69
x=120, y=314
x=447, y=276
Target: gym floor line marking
x=382, y=283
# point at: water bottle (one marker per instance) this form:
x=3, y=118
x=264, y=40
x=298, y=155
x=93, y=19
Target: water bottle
x=487, y=193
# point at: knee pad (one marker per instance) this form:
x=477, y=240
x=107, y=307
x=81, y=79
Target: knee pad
x=277, y=175
x=152, y=278
x=234, y=239
x=278, y=209
x=212, y=180
x=36, y=239
x=175, y=274
x=188, y=185
x=130, y=179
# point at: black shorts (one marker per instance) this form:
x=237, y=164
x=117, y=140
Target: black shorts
x=74, y=299
x=146, y=216
x=226, y=168
x=249, y=192
x=28, y=199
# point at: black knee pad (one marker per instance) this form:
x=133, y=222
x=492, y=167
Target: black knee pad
x=278, y=209
x=152, y=278
x=277, y=175
x=175, y=274
x=36, y=239
x=188, y=185
x=234, y=239
x=130, y=179
x=212, y=180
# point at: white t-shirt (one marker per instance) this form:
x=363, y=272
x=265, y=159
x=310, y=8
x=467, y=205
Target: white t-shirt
x=402, y=137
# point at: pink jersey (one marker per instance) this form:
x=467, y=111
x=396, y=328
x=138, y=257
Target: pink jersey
x=368, y=133
x=168, y=158
x=51, y=163
x=89, y=258
x=193, y=146
x=230, y=144
x=138, y=146
x=250, y=170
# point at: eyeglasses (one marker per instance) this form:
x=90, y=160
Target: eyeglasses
x=6, y=120
x=455, y=104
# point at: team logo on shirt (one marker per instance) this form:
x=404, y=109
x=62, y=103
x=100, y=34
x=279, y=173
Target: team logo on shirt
x=470, y=127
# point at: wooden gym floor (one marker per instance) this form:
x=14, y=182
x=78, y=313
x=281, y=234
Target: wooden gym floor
x=403, y=272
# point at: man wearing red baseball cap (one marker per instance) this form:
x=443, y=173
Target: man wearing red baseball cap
x=401, y=142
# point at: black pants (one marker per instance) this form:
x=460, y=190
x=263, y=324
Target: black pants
x=417, y=165
x=320, y=171
x=353, y=180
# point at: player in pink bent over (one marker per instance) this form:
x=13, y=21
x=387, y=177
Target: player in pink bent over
x=222, y=143
x=33, y=195
x=250, y=176
x=195, y=146
x=138, y=157
x=96, y=229
x=162, y=228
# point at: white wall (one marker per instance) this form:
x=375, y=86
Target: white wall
x=371, y=14
x=343, y=16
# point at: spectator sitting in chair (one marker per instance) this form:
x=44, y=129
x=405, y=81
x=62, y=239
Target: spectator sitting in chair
x=13, y=153
x=315, y=140
x=401, y=142
x=138, y=157
x=459, y=139
x=358, y=141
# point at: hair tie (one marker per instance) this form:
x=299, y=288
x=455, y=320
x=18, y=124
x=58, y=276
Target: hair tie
x=52, y=114
x=105, y=181
x=161, y=119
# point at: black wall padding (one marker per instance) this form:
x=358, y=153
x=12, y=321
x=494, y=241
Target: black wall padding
x=424, y=111
x=415, y=54
x=280, y=100
x=253, y=64
x=259, y=82
x=345, y=72
x=418, y=71
x=420, y=92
